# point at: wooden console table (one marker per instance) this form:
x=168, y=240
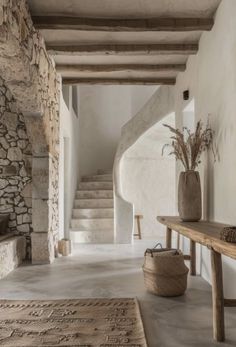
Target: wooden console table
x=207, y=234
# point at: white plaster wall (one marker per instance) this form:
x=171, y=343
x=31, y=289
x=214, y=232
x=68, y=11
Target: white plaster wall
x=158, y=106
x=148, y=178
x=139, y=96
x=211, y=79
x=103, y=112
x=69, y=162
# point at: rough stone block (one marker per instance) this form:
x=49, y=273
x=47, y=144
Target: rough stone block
x=4, y=143
x=40, y=173
x=27, y=191
x=9, y=170
x=1, y=15
x=40, y=215
x=36, y=134
x=11, y=120
x=14, y=154
x=12, y=253
x=3, y=153
x=42, y=248
x=24, y=228
x=3, y=183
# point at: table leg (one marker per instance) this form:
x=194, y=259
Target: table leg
x=192, y=258
x=139, y=228
x=168, y=238
x=217, y=297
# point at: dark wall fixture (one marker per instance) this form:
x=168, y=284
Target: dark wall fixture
x=186, y=95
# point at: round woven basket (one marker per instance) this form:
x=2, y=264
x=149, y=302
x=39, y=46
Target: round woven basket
x=165, y=273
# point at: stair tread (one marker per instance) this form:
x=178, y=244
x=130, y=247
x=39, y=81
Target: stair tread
x=93, y=213
x=90, y=231
x=97, y=178
x=94, y=199
x=100, y=182
x=94, y=194
x=92, y=237
x=94, y=190
x=93, y=210
x=98, y=175
x=95, y=186
x=92, y=219
x=104, y=172
x=90, y=208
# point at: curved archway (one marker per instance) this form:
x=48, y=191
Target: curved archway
x=148, y=178
x=160, y=105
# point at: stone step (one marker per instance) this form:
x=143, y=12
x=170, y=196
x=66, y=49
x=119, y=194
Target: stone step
x=98, y=236
x=104, y=172
x=94, y=194
x=93, y=203
x=97, y=178
x=92, y=224
x=93, y=213
x=95, y=185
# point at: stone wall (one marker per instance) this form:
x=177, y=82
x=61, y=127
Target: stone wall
x=30, y=75
x=15, y=166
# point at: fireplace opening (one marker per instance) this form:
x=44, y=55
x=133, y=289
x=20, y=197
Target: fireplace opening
x=4, y=230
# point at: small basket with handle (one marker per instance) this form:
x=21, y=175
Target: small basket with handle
x=165, y=273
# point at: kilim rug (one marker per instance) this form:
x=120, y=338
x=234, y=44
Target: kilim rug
x=77, y=323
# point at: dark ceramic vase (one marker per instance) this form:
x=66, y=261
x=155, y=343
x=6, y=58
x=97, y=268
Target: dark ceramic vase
x=189, y=196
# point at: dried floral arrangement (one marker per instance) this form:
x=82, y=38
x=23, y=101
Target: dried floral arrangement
x=189, y=150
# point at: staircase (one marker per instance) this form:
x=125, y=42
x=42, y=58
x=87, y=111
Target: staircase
x=93, y=214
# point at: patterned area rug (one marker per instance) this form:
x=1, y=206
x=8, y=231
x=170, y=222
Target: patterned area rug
x=77, y=323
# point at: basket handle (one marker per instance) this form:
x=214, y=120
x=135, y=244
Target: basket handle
x=158, y=244
x=161, y=249
x=150, y=250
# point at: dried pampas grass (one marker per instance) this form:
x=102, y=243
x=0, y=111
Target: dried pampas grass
x=189, y=150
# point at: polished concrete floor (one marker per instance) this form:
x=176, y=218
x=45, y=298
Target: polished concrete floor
x=115, y=271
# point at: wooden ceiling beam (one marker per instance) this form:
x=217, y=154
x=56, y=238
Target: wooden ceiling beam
x=122, y=25
x=74, y=68
x=124, y=49
x=120, y=81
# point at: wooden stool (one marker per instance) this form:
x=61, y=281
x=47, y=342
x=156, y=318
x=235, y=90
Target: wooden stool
x=138, y=217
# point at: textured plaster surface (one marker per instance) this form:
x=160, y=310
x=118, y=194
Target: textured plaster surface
x=115, y=271
x=148, y=178
x=210, y=78
x=103, y=112
x=69, y=163
x=156, y=108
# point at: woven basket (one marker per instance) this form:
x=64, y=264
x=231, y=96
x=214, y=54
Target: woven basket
x=165, y=273
x=228, y=234
x=64, y=247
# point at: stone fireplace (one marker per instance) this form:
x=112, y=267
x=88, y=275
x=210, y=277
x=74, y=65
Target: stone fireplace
x=12, y=247
x=4, y=232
